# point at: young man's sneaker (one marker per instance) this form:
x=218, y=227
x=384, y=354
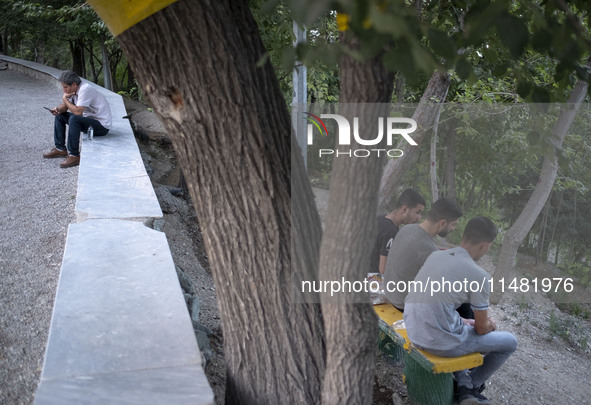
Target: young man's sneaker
x=55, y=153
x=70, y=161
x=471, y=396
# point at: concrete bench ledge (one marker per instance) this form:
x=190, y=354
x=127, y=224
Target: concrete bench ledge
x=120, y=332
x=112, y=180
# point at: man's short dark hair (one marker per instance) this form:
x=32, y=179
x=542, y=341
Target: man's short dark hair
x=68, y=77
x=478, y=230
x=444, y=208
x=410, y=198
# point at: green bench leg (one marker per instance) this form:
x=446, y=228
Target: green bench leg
x=394, y=352
x=426, y=388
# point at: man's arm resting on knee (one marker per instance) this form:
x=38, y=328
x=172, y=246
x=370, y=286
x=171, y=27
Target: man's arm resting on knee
x=482, y=323
x=75, y=109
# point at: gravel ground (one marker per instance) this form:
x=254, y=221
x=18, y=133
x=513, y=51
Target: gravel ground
x=37, y=201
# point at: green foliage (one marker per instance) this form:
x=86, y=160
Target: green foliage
x=62, y=34
x=506, y=36
x=275, y=21
x=568, y=329
x=579, y=310
x=501, y=53
x=558, y=327
x=580, y=270
x=493, y=213
x=132, y=93
x=65, y=20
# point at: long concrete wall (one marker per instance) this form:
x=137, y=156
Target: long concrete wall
x=120, y=330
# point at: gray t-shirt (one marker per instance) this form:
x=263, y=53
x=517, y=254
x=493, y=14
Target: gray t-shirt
x=410, y=248
x=431, y=319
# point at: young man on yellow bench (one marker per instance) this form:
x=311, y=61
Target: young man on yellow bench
x=431, y=319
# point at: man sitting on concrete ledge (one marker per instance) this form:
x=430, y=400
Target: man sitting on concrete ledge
x=82, y=106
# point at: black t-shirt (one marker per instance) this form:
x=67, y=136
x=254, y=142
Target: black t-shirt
x=387, y=230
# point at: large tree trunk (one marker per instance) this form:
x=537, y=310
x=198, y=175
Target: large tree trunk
x=518, y=231
x=350, y=322
x=425, y=115
x=196, y=61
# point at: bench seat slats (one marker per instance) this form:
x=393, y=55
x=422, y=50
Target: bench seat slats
x=388, y=314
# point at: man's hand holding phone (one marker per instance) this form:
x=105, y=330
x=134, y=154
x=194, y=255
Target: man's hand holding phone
x=53, y=111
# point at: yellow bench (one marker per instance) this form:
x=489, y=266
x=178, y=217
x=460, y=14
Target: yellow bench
x=428, y=378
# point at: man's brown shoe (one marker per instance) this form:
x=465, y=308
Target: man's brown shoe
x=55, y=153
x=70, y=161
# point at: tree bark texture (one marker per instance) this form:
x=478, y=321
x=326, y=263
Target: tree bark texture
x=425, y=115
x=229, y=125
x=350, y=232
x=522, y=225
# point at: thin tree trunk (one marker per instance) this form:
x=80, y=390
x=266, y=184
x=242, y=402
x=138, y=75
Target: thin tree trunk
x=106, y=68
x=433, y=168
x=572, y=245
x=350, y=322
x=470, y=199
x=433, y=158
x=399, y=84
x=5, y=42
x=517, y=232
x=40, y=52
x=555, y=224
x=130, y=77
x=93, y=71
x=77, y=51
x=450, y=162
x=424, y=115
x=542, y=238
x=231, y=131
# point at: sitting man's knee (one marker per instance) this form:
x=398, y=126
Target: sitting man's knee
x=73, y=119
x=510, y=342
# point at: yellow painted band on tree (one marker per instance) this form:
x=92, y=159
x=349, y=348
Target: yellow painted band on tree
x=343, y=21
x=120, y=15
